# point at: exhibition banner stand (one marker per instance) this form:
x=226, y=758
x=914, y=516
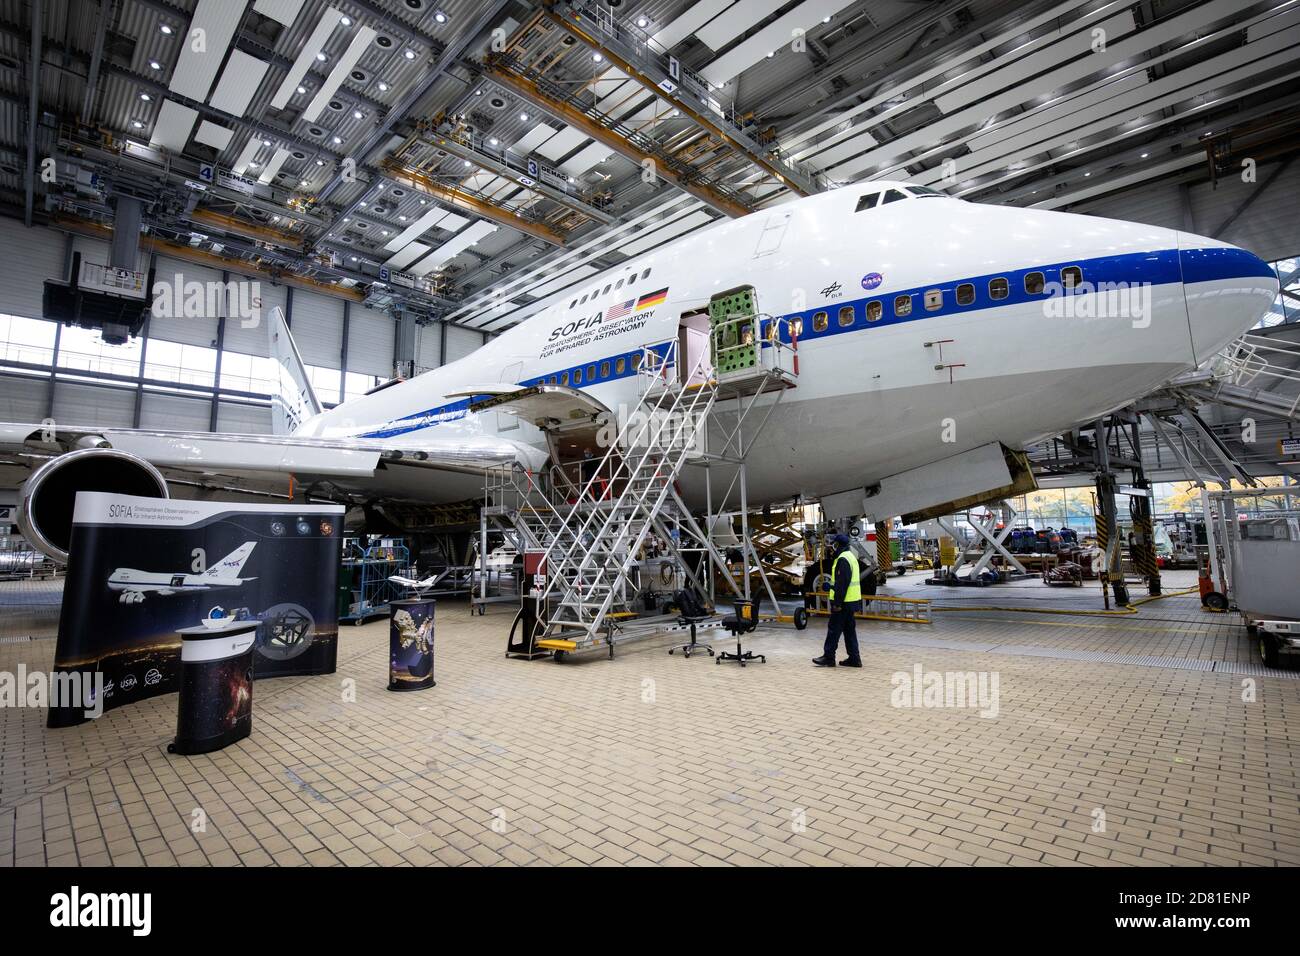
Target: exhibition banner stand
x=140, y=570
x=216, y=694
x=410, y=644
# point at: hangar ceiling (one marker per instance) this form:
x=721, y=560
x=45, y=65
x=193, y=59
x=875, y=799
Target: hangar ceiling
x=464, y=159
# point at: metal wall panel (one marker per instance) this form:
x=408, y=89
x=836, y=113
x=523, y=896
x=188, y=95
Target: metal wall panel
x=318, y=327
x=23, y=398
x=370, y=341
x=428, y=341
x=236, y=419
x=175, y=412
x=78, y=404
x=169, y=320
x=461, y=342
x=251, y=339
x=30, y=257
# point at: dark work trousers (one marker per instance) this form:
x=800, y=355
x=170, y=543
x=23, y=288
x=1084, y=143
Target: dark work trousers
x=843, y=622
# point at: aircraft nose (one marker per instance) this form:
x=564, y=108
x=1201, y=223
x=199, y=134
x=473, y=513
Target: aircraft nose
x=1228, y=290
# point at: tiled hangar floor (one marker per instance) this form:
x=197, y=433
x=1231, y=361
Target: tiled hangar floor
x=1149, y=739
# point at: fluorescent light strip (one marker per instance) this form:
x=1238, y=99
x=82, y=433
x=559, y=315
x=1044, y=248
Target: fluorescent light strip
x=594, y=154
x=172, y=129
x=210, y=134
x=282, y=11
x=197, y=68
x=247, y=156
x=417, y=229
x=315, y=43
x=561, y=143
x=337, y=75
x=534, y=138
x=454, y=247
x=239, y=81
x=722, y=30
x=407, y=255
x=775, y=34
x=690, y=21
x=273, y=166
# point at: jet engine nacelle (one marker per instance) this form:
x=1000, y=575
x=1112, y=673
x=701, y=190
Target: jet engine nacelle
x=46, y=499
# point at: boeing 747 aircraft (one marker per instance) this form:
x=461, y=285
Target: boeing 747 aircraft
x=134, y=585
x=936, y=338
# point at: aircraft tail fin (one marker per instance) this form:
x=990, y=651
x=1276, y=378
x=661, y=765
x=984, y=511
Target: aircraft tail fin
x=294, y=401
x=231, y=564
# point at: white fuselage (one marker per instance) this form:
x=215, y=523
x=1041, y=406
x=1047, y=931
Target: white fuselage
x=129, y=579
x=878, y=395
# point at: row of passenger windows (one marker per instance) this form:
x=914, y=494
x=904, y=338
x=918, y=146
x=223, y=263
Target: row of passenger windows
x=629, y=281
x=999, y=288
x=593, y=372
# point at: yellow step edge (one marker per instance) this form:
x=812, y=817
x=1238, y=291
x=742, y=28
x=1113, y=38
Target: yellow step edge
x=552, y=644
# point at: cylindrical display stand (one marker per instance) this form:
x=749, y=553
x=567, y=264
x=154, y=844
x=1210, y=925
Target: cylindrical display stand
x=410, y=642
x=216, y=692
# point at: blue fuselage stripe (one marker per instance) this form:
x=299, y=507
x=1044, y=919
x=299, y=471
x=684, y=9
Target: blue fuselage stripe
x=1161, y=267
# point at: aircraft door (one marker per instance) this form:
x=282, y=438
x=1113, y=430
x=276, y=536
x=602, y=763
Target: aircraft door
x=693, y=360
x=178, y=580
x=505, y=421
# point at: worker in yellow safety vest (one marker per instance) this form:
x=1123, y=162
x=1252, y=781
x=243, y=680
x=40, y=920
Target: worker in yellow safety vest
x=846, y=601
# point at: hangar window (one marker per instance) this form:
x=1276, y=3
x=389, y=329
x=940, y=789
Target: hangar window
x=999, y=288
x=591, y=373
x=1034, y=283
x=875, y=309
x=965, y=293
x=867, y=202
x=577, y=376
x=903, y=305
x=846, y=315
x=933, y=299
x=604, y=370
x=893, y=195
x=820, y=321
x=620, y=366
x=1071, y=277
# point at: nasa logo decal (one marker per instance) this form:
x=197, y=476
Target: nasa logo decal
x=871, y=280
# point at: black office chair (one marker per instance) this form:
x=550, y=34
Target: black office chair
x=691, y=612
x=744, y=620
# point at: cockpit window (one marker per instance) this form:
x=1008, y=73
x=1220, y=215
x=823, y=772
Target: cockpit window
x=925, y=191
x=893, y=195
x=867, y=201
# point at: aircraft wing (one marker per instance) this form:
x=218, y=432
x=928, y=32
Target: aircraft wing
x=366, y=468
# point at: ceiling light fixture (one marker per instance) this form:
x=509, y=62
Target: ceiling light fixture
x=494, y=141
x=155, y=65
x=321, y=56
x=146, y=97
x=642, y=22
x=524, y=117
x=440, y=16
x=166, y=29
x=137, y=124
x=320, y=162
x=357, y=114
x=383, y=87
x=302, y=90
x=409, y=54
x=596, y=57
x=345, y=21
x=338, y=140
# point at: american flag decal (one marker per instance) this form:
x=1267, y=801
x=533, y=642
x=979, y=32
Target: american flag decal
x=620, y=310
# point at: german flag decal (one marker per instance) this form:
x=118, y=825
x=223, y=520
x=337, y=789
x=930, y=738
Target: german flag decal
x=651, y=299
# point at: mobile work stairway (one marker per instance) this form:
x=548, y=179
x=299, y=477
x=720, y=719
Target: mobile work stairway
x=591, y=530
